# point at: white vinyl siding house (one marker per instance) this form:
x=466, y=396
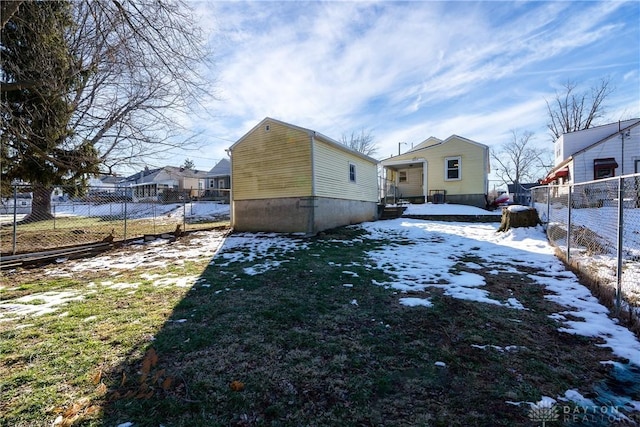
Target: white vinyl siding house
x=596, y=153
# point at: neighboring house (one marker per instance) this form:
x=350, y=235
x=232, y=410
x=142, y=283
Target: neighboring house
x=455, y=170
x=21, y=203
x=164, y=184
x=596, y=153
x=286, y=178
x=103, y=184
x=218, y=181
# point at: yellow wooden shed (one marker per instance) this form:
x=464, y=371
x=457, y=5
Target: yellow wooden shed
x=286, y=178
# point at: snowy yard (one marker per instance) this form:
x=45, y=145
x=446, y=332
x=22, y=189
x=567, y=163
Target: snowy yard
x=315, y=323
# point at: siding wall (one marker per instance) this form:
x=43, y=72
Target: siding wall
x=331, y=168
x=413, y=186
x=583, y=162
x=474, y=172
x=573, y=142
x=270, y=164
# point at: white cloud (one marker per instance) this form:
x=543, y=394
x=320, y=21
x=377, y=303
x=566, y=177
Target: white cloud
x=412, y=69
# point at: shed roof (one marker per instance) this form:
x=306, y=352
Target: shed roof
x=311, y=132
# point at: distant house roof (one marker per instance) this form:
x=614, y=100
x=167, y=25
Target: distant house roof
x=185, y=173
x=149, y=175
x=110, y=179
x=222, y=168
x=522, y=187
x=433, y=141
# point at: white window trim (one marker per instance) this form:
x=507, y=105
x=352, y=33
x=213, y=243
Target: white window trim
x=355, y=172
x=406, y=177
x=446, y=168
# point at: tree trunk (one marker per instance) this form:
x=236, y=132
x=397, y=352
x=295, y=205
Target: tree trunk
x=518, y=216
x=41, y=205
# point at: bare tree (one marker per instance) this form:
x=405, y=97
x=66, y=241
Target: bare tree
x=7, y=9
x=363, y=142
x=571, y=111
x=518, y=162
x=144, y=63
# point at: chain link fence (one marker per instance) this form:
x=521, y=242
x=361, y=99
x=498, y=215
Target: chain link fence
x=596, y=227
x=34, y=219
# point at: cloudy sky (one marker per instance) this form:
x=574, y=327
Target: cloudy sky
x=405, y=71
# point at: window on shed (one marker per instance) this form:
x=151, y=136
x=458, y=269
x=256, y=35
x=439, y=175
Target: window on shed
x=402, y=176
x=452, y=168
x=604, y=168
x=352, y=172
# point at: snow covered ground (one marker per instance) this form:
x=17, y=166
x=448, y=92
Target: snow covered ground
x=449, y=209
x=418, y=255
x=602, y=224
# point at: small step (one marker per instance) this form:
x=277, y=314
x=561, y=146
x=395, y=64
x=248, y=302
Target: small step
x=392, y=212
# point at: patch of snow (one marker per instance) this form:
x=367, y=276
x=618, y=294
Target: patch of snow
x=36, y=304
x=446, y=209
x=416, y=302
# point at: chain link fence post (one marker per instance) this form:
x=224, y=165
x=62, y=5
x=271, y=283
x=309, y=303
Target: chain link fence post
x=569, y=203
x=125, y=218
x=15, y=218
x=184, y=212
x=620, y=243
x=600, y=221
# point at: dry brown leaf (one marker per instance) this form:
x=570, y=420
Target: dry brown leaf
x=68, y=422
x=236, y=386
x=101, y=389
x=72, y=410
x=143, y=395
x=146, y=366
x=92, y=410
x=96, y=377
x=166, y=384
x=124, y=379
x=152, y=356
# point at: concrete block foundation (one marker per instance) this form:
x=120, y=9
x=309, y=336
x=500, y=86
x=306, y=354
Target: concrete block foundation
x=308, y=215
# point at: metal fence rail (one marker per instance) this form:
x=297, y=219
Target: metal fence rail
x=596, y=226
x=35, y=219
